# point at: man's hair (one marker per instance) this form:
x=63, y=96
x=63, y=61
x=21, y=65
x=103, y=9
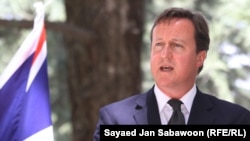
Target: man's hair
x=201, y=33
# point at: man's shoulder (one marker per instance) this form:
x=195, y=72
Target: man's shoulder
x=224, y=104
x=122, y=108
x=128, y=101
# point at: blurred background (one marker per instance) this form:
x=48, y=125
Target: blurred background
x=98, y=52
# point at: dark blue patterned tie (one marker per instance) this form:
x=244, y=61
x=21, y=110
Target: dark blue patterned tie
x=177, y=116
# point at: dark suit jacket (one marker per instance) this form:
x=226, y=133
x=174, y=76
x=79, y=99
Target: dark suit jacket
x=143, y=109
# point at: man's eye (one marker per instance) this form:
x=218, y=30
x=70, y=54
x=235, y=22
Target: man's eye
x=158, y=46
x=177, y=45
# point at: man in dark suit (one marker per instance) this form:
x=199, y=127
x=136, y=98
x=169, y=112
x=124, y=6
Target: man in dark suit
x=179, y=44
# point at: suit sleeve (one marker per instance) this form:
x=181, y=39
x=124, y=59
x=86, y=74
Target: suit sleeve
x=104, y=119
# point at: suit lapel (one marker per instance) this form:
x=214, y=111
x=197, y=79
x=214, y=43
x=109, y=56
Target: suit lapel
x=147, y=109
x=200, y=111
x=140, y=115
x=153, y=112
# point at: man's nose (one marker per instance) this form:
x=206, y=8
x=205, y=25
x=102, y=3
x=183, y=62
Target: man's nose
x=166, y=53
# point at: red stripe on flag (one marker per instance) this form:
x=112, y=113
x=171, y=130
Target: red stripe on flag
x=40, y=44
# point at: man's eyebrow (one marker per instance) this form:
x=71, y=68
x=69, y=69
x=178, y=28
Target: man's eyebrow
x=178, y=40
x=158, y=38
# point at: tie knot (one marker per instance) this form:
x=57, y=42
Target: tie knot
x=175, y=103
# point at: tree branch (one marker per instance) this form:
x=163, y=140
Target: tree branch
x=69, y=31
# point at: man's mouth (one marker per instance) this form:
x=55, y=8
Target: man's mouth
x=166, y=68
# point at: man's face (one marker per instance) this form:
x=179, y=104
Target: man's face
x=174, y=61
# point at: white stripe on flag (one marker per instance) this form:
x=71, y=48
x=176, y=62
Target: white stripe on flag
x=21, y=55
x=43, y=135
x=37, y=64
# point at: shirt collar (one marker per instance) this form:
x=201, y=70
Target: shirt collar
x=187, y=99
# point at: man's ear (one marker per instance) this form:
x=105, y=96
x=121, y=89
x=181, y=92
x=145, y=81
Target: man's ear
x=201, y=58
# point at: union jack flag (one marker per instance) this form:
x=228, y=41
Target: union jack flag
x=25, y=112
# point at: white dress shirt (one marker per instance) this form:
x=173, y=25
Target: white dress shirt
x=166, y=110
